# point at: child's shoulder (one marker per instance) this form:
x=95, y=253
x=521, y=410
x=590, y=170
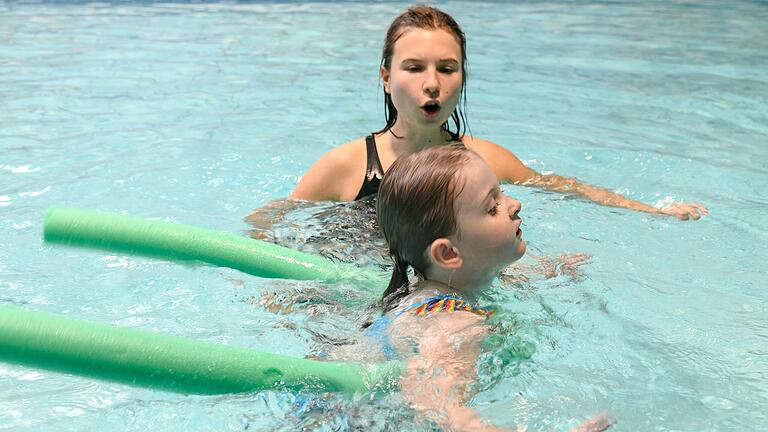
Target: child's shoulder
x=446, y=303
x=432, y=306
x=438, y=321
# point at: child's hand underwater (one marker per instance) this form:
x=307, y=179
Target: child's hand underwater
x=597, y=424
x=566, y=264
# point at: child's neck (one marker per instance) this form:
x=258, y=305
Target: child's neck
x=458, y=281
x=438, y=287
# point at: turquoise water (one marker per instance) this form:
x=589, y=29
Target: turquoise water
x=200, y=112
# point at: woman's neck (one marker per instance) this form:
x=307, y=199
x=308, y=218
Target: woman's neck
x=407, y=139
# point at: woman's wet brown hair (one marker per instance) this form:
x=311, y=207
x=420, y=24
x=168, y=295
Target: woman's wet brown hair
x=426, y=18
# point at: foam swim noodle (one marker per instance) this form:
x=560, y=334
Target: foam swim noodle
x=172, y=363
x=183, y=242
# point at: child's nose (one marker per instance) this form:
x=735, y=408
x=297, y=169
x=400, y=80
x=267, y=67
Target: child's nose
x=514, y=207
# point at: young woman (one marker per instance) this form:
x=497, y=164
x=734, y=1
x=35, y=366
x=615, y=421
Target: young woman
x=423, y=70
x=443, y=215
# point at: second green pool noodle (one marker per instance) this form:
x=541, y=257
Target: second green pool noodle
x=183, y=242
x=172, y=363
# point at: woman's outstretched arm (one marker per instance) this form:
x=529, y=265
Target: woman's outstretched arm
x=510, y=169
x=556, y=183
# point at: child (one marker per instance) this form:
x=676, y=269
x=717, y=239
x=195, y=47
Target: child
x=443, y=215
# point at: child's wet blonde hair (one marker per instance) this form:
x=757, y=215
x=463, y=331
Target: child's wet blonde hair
x=417, y=205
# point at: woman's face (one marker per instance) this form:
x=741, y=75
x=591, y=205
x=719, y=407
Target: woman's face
x=425, y=76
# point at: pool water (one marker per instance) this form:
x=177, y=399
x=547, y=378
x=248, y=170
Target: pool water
x=200, y=112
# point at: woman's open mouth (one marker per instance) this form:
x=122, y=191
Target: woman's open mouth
x=431, y=109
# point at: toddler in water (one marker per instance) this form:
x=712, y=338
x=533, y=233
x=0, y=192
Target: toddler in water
x=443, y=214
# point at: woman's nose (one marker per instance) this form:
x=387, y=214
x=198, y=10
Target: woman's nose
x=431, y=83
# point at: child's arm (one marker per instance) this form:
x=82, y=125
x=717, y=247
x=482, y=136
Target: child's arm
x=437, y=379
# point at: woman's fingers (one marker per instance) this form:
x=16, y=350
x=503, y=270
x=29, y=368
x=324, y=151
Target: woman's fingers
x=685, y=211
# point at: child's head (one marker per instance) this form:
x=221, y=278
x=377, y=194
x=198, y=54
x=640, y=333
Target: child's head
x=442, y=213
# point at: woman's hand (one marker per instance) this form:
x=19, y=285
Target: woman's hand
x=684, y=211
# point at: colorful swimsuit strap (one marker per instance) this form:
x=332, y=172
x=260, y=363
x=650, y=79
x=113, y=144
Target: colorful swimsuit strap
x=445, y=303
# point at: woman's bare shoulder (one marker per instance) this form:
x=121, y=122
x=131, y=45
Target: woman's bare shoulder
x=504, y=163
x=350, y=150
x=480, y=145
x=335, y=174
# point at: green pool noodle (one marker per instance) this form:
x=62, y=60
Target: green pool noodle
x=175, y=241
x=172, y=363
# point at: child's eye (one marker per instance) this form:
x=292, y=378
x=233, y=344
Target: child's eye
x=494, y=209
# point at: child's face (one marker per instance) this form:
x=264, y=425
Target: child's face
x=489, y=235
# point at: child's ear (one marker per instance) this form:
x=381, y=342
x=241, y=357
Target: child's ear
x=444, y=254
x=384, y=73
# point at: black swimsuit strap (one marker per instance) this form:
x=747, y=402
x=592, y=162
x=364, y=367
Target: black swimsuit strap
x=373, y=170
x=454, y=136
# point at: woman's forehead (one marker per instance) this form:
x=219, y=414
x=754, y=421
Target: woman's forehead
x=421, y=43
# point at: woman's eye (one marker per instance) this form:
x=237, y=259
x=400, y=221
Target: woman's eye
x=413, y=69
x=448, y=70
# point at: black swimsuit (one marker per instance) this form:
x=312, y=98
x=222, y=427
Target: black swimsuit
x=373, y=170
